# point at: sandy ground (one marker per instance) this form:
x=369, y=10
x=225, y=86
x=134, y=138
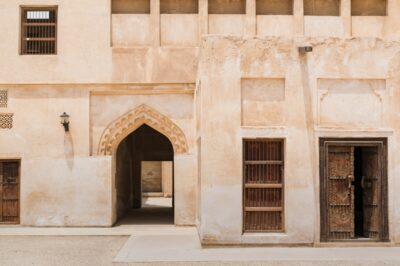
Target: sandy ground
x=56, y=250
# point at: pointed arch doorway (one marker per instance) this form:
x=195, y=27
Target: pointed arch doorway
x=144, y=178
x=122, y=129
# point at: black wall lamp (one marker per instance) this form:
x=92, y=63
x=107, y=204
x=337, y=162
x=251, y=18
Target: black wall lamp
x=305, y=49
x=65, y=121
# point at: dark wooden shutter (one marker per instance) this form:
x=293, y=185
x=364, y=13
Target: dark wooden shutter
x=340, y=192
x=39, y=30
x=321, y=7
x=274, y=7
x=263, y=185
x=9, y=192
x=370, y=183
x=369, y=7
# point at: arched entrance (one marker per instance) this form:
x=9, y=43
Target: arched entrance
x=121, y=129
x=144, y=178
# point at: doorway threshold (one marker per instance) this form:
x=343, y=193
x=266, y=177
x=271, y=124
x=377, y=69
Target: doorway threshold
x=354, y=243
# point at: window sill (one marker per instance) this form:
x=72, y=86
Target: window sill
x=265, y=234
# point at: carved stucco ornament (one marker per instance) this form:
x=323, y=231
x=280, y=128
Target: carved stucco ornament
x=129, y=122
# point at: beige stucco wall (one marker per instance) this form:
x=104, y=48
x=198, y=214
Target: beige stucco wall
x=107, y=65
x=151, y=176
x=105, y=107
x=96, y=51
x=167, y=178
x=278, y=25
x=60, y=184
x=61, y=176
x=124, y=177
x=72, y=193
x=148, y=47
x=343, y=88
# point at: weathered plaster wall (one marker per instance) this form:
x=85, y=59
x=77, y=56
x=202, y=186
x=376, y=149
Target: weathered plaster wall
x=179, y=30
x=226, y=24
x=60, y=184
x=362, y=78
x=108, y=60
x=153, y=47
x=167, y=178
x=95, y=53
x=105, y=108
x=151, y=176
x=124, y=30
x=124, y=177
x=62, y=195
x=275, y=25
x=58, y=166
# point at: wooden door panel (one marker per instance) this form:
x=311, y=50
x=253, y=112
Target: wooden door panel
x=337, y=161
x=9, y=195
x=371, y=192
x=340, y=205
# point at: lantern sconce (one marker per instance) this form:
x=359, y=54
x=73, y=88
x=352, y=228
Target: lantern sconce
x=65, y=121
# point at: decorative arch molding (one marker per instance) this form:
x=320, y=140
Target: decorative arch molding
x=129, y=122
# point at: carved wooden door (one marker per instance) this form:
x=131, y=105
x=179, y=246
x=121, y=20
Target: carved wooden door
x=9, y=192
x=340, y=174
x=370, y=183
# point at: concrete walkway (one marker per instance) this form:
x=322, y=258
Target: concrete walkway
x=187, y=249
x=121, y=230
x=133, y=241
x=165, y=245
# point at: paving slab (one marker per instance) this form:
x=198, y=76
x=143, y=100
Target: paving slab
x=123, y=230
x=187, y=248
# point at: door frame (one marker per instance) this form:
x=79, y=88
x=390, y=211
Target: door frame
x=381, y=144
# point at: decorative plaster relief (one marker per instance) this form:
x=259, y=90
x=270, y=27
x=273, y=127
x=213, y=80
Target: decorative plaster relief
x=351, y=103
x=3, y=98
x=6, y=121
x=132, y=120
x=263, y=101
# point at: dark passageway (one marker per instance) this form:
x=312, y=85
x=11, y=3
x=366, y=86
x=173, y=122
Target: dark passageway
x=144, y=178
x=358, y=194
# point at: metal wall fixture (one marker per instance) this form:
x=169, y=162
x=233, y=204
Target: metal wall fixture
x=305, y=49
x=65, y=121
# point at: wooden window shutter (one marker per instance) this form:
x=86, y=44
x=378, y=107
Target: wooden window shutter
x=39, y=30
x=263, y=185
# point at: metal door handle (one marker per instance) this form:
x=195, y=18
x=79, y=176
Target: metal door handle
x=350, y=179
x=363, y=182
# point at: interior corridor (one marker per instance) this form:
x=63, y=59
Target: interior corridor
x=144, y=179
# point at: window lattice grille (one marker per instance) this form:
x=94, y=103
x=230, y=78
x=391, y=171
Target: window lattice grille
x=263, y=185
x=3, y=98
x=39, y=31
x=6, y=121
x=274, y=7
x=321, y=7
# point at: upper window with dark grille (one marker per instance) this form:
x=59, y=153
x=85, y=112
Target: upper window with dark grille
x=39, y=30
x=274, y=7
x=226, y=6
x=322, y=7
x=130, y=6
x=179, y=6
x=369, y=7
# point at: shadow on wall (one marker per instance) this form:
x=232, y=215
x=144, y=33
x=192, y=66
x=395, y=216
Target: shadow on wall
x=69, y=150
